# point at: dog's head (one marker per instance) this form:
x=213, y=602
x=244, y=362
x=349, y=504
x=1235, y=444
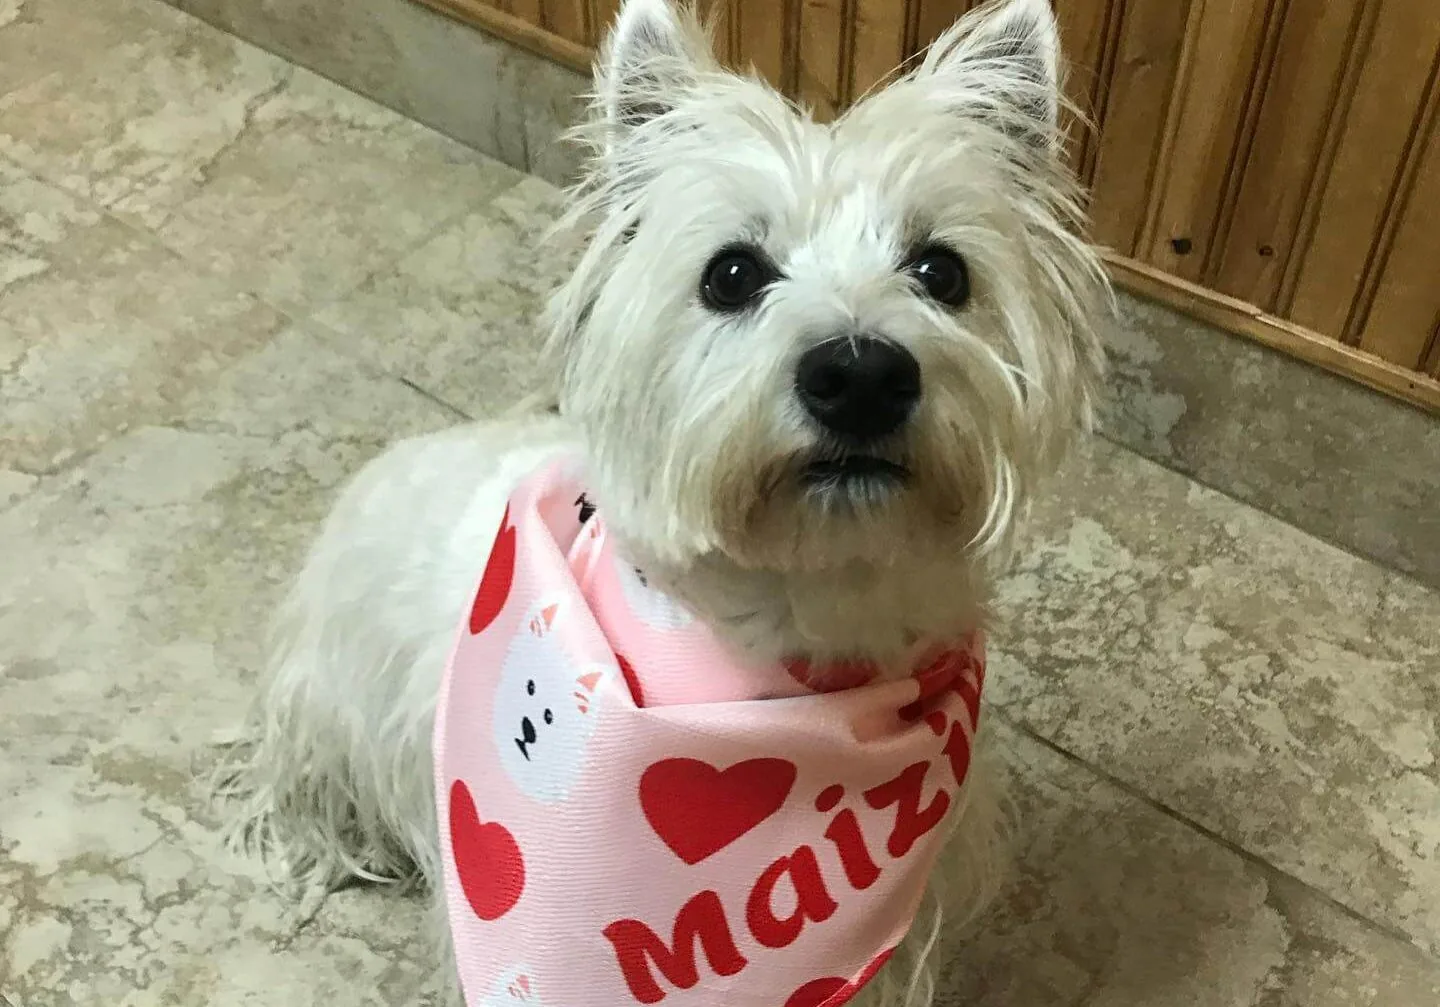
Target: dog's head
x=798, y=345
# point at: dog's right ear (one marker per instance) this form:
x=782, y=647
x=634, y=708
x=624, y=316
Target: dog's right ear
x=654, y=54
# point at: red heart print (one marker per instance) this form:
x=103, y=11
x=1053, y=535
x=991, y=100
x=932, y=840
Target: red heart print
x=834, y=992
x=487, y=858
x=499, y=575
x=836, y=676
x=698, y=810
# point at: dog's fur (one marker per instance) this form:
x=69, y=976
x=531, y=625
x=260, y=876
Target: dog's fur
x=696, y=443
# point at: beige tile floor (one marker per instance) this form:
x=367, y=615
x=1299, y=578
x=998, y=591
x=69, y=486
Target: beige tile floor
x=225, y=283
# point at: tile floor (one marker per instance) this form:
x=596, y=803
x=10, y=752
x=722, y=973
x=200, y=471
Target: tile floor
x=225, y=283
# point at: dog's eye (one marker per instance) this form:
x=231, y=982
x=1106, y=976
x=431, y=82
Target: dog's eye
x=735, y=278
x=549, y=717
x=943, y=275
x=530, y=688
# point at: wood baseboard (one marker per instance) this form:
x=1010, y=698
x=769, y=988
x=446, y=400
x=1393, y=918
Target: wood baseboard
x=517, y=31
x=1247, y=320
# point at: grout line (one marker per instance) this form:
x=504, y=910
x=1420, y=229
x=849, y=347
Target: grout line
x=1181, y=818
x=432, y=397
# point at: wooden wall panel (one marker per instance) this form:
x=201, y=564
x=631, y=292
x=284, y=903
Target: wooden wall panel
x=879, y=45
x=766, y=30
x=1207, y=116
x=824, y=42
x=602, y=18
x=1087, y=35
x=1273, y=164
x=1360, y=193
x=570, y=19
x=1311, y=64
x=1405, y=316
x=930, y=18
x=1132, y=121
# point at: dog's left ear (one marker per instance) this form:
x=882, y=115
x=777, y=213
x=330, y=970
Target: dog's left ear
x=1003, y=64
x=653, y=55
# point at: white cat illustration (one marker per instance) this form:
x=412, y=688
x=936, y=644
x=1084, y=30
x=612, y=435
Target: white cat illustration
x=545, y=709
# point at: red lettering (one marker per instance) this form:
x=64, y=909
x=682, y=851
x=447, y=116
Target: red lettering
x=957, y=749
x=969, y=693
x=910, y=821
x=812, y=901
x=844, y=832
x=701, y=921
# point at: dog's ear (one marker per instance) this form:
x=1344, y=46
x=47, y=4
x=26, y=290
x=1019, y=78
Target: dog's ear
x=1003, y=62
x=655, y=52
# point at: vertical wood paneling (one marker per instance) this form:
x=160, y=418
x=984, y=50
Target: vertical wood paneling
x=1360, y=190
x=1132, y=122
x=1085, y=30
x=932, y=18
x=824, y=36
x=879, y=44
x=602, y=19
x=766, y=31
x=1295, y=116
x=1223, y=41
x=1405, y=315
x=567, y=18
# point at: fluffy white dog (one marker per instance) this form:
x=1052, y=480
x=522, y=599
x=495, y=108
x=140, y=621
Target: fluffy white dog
x=816, y=373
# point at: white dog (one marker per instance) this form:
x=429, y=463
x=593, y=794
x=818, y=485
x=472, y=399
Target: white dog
x=815, y=373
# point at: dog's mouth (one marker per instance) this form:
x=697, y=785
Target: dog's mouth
x=852, y=470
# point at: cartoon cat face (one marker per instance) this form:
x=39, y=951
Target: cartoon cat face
x=545, y=709
x=513, y=989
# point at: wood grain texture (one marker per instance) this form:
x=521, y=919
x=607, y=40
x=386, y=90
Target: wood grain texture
x=1276, y=179
x=878, y=44
x=602, y=19
x=766, y=30
x=1085, y=31
x=824, y=44
x=932, y=18
x=1401, y=323
x=1360, y=192
x=569, y=19
x=520, y=31
x=1206, y=118
x=1132, y=124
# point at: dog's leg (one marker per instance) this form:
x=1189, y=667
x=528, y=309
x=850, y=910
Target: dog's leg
x=334, y=776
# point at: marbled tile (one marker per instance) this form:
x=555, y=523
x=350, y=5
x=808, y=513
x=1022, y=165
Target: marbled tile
x=459, y=316
x=275, y=179
x=35, y=220
x=1322, y=452
x=1112, y=903
x=1277, y=690
x=477, y=89
x=139, y=103
x=132, y=606
x=323, y=189
x=63, y=38
x=105, y=337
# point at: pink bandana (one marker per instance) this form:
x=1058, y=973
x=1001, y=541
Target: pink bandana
x=630, y=815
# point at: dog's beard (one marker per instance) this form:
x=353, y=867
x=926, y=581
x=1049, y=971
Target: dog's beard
x=827, y=505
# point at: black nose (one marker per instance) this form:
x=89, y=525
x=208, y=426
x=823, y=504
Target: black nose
x=860, y=388
x=527, y=730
